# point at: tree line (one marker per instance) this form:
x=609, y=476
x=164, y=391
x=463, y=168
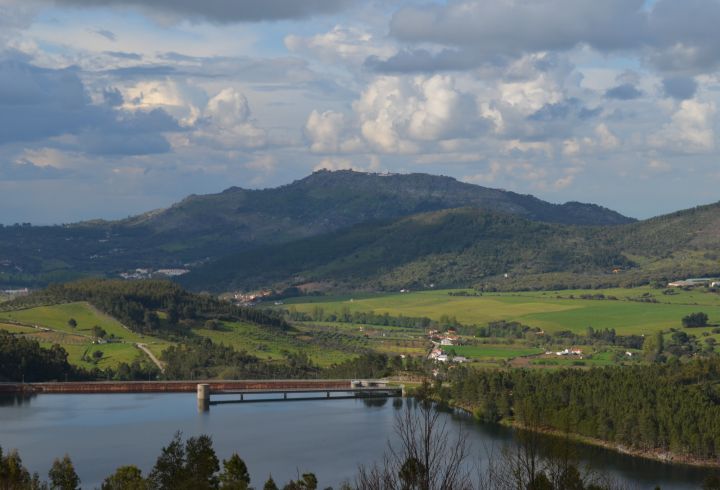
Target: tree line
x=136, y=303
x=671, y=407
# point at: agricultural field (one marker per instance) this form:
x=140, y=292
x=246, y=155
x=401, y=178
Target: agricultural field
x=270, y=344
x=637, y=311
x=550, y=310
x=49, y=325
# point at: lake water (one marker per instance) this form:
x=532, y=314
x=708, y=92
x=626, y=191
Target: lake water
x=329, y=438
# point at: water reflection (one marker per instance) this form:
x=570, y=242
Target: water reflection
x=375, y=402
x=16, y=399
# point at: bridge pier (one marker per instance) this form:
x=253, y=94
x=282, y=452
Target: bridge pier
x=203, y=397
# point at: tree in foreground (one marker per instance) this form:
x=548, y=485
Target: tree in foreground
x=308, y=481
x=427, y=457
x=125, y=478
x=193, y=465
x=62, y=475
x=235, y=474
x=13, y=475
x=535, y=462
x=270, y=484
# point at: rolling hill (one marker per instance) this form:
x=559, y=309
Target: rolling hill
x=473, y=247
x=206, y=228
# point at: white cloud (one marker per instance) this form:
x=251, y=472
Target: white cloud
x=328, y=133
x=226, y=122
x=399, y=114
x=690, y=130
x=350, y=45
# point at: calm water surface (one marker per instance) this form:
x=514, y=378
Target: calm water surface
x=329, y=438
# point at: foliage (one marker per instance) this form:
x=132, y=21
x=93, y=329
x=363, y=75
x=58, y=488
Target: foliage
x=125, y=478
x=62, y=475
x=699, y=319
x=14, y=475
x=22, y=358
x=270, y=484
x=192, y=465
x=204, y=359
x=235, y=474
x=136, y=303
x=659, y=407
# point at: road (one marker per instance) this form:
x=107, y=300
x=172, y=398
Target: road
x=152, y=357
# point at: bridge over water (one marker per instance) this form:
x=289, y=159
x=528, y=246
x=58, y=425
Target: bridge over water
x=352, y=389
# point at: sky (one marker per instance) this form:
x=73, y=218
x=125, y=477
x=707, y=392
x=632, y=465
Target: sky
x=109, y=108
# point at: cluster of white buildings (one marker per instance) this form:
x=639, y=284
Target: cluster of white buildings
x=695, y=281
x=440, y=340
x=142, y=273
x=566, y=352
x=437, y=355
x=252, y=298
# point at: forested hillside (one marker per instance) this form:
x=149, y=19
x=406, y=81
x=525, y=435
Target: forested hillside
x=137, y=304
x=445, y=248
x=209, y=227
x=652, y=408
x=470, y=247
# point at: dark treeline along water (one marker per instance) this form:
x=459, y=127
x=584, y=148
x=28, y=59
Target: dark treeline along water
x=329, y=438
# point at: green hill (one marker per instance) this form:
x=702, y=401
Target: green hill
x=470, y=247
x=202, y=228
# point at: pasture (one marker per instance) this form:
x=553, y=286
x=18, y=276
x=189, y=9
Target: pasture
x=78, y=341
x=269, y=344
x=550, y=310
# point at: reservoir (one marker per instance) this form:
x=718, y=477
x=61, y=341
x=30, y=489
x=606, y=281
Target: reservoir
x=101, y=432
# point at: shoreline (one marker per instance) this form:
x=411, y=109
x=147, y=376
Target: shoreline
x=665, y=457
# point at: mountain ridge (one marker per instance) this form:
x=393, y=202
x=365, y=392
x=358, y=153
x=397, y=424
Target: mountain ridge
x=334, y=207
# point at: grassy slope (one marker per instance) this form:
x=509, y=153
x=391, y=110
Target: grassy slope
x=270, y=344
x=77, y=341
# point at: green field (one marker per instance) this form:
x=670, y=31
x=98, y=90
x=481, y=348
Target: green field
x=269, y=344
x=57, y=316
x=79, y=340
x=538, y=309
x=113, y=354
x=8, y=327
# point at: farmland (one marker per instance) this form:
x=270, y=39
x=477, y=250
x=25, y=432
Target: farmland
x=630, y=312
x=272, y=344
x=552, y=311
x=49, y=325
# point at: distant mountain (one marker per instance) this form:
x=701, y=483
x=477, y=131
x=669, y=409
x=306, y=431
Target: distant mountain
x=327, y=201
x=472, y=247
x=205, y=228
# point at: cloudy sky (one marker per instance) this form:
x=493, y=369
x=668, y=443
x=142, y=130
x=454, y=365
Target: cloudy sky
x=111, y=107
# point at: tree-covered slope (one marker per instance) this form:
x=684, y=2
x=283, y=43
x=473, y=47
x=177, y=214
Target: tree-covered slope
x=447, y=248
x=471, y=247
x=211, y=226
x=326, y=201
